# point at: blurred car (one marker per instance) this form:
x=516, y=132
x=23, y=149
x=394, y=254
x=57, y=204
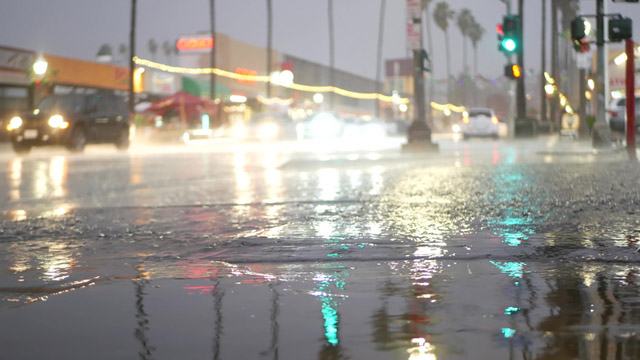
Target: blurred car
x=270, y=126
x=322, y=125
x=618, y=114
x=479, y=122
x=356, y=128
x=72, y=120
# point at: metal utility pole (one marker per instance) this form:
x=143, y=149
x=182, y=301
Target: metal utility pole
x=600, y=136
x=521, y=100
x=269, y=44
x=212, y=90
x=132, y=52
x=554, y=61
x=543, y=60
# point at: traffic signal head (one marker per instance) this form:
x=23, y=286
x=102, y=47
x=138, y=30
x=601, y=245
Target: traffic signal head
x=620, y=29
x=578, y=29
x=512, y=71
x=512, y=39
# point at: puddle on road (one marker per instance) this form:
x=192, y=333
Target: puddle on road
x=418, y=308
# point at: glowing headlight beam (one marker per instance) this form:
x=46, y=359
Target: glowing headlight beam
x=14, y=123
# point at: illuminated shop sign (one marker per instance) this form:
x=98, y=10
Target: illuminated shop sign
x=242, y=71
x=187, y=44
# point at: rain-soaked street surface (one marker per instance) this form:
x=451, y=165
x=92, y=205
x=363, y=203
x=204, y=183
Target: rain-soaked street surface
x=485, y=250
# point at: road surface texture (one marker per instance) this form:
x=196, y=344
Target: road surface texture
x=487, y=249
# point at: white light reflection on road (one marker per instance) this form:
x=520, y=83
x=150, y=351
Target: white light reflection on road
x=328, y=183
x=15, y=178
x=242, y=181
x=58, y=175
x=40, y=181
x=377, y=179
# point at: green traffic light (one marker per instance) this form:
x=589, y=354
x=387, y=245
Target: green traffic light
x=509, y=45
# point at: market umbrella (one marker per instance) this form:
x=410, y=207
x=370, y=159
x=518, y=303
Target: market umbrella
x=187, y=104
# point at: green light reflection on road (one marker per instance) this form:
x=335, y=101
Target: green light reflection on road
x=508, y=333
x=513, y=269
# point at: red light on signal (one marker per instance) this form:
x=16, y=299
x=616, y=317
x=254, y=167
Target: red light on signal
x=499, y=30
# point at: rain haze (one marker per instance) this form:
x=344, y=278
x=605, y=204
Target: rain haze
x=220, y=198
x=300, y=28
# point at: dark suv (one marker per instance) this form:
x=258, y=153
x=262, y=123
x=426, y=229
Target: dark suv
x=72, y=120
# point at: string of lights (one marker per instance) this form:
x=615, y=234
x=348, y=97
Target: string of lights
x=450, y=107
x=262, y=78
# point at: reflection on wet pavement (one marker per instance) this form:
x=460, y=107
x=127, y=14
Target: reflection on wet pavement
x=254, y=255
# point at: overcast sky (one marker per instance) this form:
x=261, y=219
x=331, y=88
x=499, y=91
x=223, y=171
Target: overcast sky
x=77, y=28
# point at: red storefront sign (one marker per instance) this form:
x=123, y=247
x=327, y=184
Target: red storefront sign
x=187, y=44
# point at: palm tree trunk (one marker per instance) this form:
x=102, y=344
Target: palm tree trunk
x=446, y=43
x=475, y=75
x=379, y=57
x=465, y=63
x=269, y=38
x=331, y=54
x=430, y=47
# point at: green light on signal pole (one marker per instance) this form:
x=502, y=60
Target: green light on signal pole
x=509, y=45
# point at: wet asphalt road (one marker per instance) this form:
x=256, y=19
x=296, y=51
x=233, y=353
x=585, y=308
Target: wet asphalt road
x=486, y=250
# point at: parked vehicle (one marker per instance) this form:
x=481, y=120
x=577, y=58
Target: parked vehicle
x=618, y=114
x=479, y=122
x=72, y=120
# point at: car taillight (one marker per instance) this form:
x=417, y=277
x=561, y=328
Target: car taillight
x=494, y=120
x=465, y=120
x=613, y=113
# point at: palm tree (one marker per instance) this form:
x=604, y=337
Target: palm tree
x=476, y=31
x=465, y=21
x=441, y=15
x=122, y=51
x=167, y=49
x=153, y=48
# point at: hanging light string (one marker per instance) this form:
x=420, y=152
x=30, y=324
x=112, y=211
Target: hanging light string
x=263, y=78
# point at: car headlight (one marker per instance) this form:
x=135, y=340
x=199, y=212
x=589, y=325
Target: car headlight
x=239, y=131
x=268, y=131
x=57, y=121
x=14, y=123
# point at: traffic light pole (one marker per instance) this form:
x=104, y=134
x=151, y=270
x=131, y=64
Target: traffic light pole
x=521, y=100
x=600, y=136
x=511, y=124
x=630, y=90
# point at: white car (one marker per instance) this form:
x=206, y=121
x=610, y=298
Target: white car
x=479, y=122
